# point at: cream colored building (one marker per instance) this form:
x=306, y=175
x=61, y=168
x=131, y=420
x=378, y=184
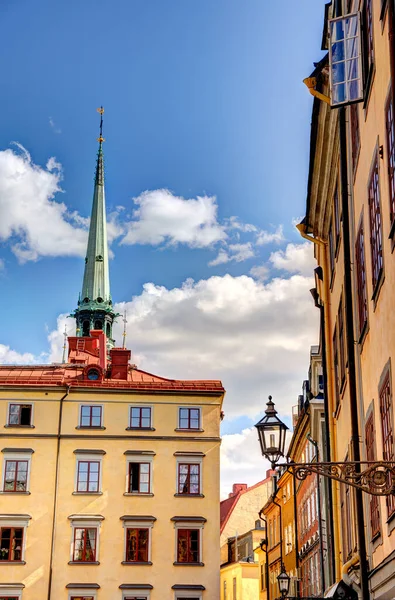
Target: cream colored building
x=109, y=474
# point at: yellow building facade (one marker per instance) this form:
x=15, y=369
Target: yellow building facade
x=350, y=220
x=114, y=508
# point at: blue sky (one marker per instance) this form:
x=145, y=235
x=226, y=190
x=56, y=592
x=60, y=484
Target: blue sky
x=201, y=98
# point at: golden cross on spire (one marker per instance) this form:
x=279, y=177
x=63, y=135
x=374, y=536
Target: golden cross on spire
x=101, y=139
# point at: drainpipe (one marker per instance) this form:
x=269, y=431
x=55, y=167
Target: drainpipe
x=349, y=322
x=296, y=534
x=55, y=500
x=281, y=520
x=317, y=456
x=265, y=550
x=345, y=576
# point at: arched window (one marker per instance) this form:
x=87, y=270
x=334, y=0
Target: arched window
x=98, y=324
x=85, y=328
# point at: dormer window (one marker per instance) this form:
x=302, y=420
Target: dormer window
x=93, y=374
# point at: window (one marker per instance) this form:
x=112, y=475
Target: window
x=137, y=541
x=234, y=588
x=342, y=349
x=88, y=476
x=387, y=430
x=390, y=128
x=262, y=576
x=82, y=598
x=189, y=418
x=139, y=478
x=361, y=279
x=371, y=456
x=345, y=60
x=355, y=134
x=375, y=224
x=369, y=40
x=20, y=415
x=11, y=591
x=331, y=251
x=188, y=478
x=91, y=416
x=11, y=543
x=15, y=478
x=188, y=545
x=225, y=590
x=84, y=546
x=336, y=216
x=140, y=417
x=346, y=519
x=336, y=365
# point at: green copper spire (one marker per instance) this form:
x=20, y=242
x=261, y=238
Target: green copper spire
x=95, y=306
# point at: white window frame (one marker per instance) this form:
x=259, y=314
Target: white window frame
x=22, y=404
x=187, y=458
x=139, y=458
x=82, y=404
x=85, y=521
x=358, y=37
x=189, y=525
x=81, y=457
x=140, y=405
x=199, y=408
x=82, y=592
x=136, y=524
x=19, y=455
x=12, y=589
x=20, y=521
x=146, y=594
x=196, y=595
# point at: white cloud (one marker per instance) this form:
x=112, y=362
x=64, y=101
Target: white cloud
x=270, y=237
x=162, y=217
x=233, y=252
x=30, y=217
x=260, y=272
x=11, y=357
x=234, y=223
x=53, y=126
x=296, y=258
x=2, y=264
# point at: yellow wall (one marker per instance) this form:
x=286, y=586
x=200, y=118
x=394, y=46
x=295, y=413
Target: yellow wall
x=247, y=581
x=111, y=504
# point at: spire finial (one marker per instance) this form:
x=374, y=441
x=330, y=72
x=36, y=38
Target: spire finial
x=124, y=330
x=64, y=344
x=101, y=139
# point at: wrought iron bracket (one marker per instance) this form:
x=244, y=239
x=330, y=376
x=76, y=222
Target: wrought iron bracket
x=373, y=477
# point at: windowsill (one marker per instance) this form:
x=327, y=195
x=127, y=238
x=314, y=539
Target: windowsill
x=376, y=537
x=140, y=429
x=138, y=564
x=189, y=430
x=83, y=562
x=90, y=427
x=377, y=289
x=150, y=494
x=391, y=518
x=383, y=14
x=20, y=426
x=87, y=493
x=189, y=495
x=8, y=492
x=363, y=335
x=185, y=564
x=368, y=87
x=12, y=562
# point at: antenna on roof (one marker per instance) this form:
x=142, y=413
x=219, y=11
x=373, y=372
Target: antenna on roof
x=124, y=329
x=64, y=344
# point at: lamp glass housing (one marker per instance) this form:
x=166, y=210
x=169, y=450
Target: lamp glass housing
x=271, y=434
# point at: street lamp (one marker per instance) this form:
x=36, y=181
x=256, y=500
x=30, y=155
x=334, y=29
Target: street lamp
x=376, y=477
x=271, y=432
x=283, y=582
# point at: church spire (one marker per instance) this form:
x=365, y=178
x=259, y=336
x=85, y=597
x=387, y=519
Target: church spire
x=95, y=306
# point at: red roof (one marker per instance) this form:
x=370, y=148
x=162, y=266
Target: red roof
x=227, y=506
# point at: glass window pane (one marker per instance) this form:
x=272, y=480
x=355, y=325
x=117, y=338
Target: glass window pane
x=96, y=411
x=352, y=48
x=352, y=69
x=339, y=93
x=337, y=30
x=353, y=90
x=337, y=51
x=351, y=26
x=338, y=72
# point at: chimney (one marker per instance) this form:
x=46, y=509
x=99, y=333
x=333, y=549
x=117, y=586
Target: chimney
x=237, y=487
x=120, y=363
x=102, y=339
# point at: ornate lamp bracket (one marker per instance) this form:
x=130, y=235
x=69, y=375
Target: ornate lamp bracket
x=373, y=477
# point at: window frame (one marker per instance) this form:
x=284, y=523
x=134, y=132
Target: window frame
x=90, y=405
x=80, y=521
x=194, y=459
x=82, y=593
x=361, y=279
x=189, y=408
x=89, y=456
x=139, y=458
x=15, y=522
x=390, y=142
x=187, y=532
x=375, y=225
x=139, y=491
x=387, y=434
x=342, y=342
x=355, y=132
x=19, y=455
x=130, y=522
x=188, y=525
x=12, y=403
x=374, y=504
x=85, y=540
x=140, y=407
x=188, y=465
x=11, y=591
x=89, y=471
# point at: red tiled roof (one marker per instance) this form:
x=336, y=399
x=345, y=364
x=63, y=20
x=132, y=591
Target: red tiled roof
x=53, y=375
x=227, y=506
